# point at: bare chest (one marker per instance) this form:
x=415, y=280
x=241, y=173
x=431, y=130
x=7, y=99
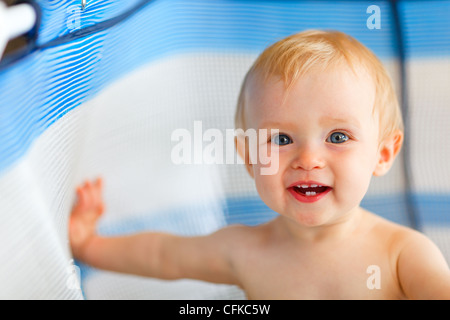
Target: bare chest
x=318, y=275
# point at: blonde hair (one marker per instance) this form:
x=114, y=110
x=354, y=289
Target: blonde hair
x=295, y=55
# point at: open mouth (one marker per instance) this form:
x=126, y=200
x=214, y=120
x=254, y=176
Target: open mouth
x=310, y=190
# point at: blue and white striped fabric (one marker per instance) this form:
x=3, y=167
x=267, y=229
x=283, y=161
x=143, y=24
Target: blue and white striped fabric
x=60, y=18
x=102, y=89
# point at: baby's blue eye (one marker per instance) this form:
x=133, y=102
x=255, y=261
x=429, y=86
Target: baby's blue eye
x=337, y=137
x=281, y=139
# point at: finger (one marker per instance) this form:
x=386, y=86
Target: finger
x=99, y=183
x=78, y=193
x=81, y=203
x=99, y=195
x=84, y=197
x=96, y=196
x=78, y=201
x=87, y=193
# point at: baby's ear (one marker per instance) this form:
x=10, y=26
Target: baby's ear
x=388, y=150
x=243, y=151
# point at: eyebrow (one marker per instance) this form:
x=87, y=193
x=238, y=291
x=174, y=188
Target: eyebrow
x=277, y=125
x=347, y=120
x=322, y=121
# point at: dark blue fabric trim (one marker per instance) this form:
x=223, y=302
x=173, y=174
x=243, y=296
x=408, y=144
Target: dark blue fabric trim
x=33, y=35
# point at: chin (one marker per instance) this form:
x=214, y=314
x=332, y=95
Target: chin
x=310, y=219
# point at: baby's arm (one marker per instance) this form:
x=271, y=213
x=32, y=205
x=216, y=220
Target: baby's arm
x=158, y=255
x=422, y=269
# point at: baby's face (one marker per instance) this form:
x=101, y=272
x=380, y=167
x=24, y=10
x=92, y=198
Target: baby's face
x=327, y=144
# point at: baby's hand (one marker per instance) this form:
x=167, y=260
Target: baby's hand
x=84, y=216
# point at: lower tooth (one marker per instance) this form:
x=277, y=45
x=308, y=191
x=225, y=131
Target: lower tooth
x=310, y=193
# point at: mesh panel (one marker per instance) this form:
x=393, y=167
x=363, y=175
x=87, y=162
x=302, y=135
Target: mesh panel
x=107, y=102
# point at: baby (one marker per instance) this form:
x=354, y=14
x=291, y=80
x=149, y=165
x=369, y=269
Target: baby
x=339, y=124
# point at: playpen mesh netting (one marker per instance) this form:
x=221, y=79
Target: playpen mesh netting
x=100, y=91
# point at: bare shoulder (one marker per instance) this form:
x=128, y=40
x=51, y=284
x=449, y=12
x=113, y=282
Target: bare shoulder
x=413, y=244
x=421, y=268
x=398, y=236
x=240, y=242
x=401, y=242
x=242, y=236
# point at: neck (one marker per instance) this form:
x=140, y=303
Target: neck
x=338, y=229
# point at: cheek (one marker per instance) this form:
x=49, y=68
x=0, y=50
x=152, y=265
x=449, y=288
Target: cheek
x=355, y=171
x=265, y=158
x=266, y=185
x=270, y=190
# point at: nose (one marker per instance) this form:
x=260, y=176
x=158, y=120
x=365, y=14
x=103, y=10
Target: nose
x=308, y=158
